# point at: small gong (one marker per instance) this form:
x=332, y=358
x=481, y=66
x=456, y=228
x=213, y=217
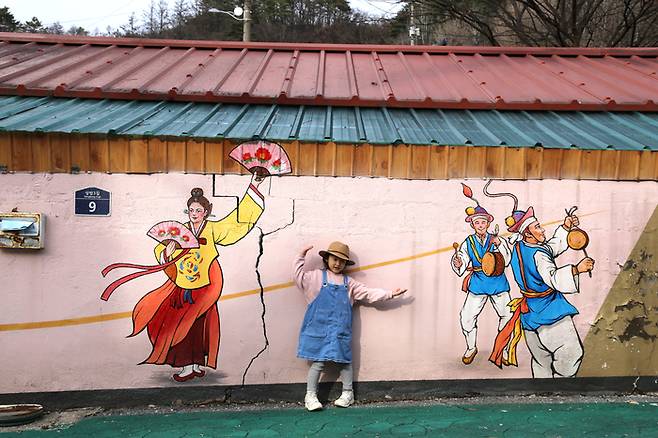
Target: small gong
x=577, y=239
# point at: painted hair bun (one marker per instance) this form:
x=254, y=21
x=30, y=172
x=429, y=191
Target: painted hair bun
x=197, y=192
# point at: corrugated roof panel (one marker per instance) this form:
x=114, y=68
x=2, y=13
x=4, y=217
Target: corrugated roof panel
x=68, y=119
x=32, y=120
x=344, y=126
x=282, y=122
x=16, y=105
x=221, y=119
x=648, y=66
x=506, y=133
x=368, y=82
x=253, y=122
x=243, y=74
x=336, y=83
x=111, y=113
x=377, y=126
x=273, y=75
x=304, y=84
x=563, y=130
x=473, y=132
x=633, y=126
x=408, y=126
x=312, y=124
x=599, y=81
x=442, y=79
x=585, y=130
x=605, y=135
x=170, y=120
x=434, y=77
x=437, y=129
x=400, y=77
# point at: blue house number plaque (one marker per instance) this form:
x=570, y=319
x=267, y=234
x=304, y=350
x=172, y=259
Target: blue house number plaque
x=92, y=201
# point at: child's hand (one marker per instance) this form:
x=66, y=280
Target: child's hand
x=398, y=292
x=306, y=249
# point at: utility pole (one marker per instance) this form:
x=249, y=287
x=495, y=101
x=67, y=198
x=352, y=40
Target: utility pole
x=414, y=31
x=246, y=23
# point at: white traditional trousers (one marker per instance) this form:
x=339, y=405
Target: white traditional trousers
x=472, y=308
x=556, y=349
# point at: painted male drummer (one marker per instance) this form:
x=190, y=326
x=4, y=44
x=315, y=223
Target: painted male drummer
x=542, y=312
x=480, y=288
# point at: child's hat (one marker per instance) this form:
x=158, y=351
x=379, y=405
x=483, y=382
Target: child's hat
x=338, y=249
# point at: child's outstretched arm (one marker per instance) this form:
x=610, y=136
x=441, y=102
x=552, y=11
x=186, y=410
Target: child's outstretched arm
x=305, y=280
x=361, y=292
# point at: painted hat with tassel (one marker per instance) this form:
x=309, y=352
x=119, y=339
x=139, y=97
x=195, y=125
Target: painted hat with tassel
x=519, y=219
x=478, y=211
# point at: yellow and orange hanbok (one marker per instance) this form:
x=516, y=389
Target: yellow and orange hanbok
x=181, y=316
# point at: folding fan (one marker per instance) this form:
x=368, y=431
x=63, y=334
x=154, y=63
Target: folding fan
x=263, y=158
x=173, y=230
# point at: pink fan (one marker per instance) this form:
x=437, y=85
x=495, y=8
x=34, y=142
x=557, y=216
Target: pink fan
x=263, y=158
x=173, y=230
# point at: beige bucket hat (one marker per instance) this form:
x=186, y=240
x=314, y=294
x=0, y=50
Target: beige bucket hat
x=338, y=249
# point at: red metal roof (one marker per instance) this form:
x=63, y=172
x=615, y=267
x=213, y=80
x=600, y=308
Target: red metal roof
x=328, y=74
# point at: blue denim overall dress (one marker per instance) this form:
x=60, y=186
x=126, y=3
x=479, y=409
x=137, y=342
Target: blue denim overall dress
x=326, y=333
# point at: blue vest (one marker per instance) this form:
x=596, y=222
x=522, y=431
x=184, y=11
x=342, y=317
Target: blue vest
x=480, y=284
x=326, y=333
x=541, y=311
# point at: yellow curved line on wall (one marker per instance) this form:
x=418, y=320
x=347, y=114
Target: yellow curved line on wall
x=121, y=315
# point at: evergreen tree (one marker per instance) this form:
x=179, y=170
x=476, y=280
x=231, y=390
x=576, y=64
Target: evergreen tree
x=7, y=21
x=33, y=26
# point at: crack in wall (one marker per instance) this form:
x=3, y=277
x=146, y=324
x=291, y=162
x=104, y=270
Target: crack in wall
x=261, y=238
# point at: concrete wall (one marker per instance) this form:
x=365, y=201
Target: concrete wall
x=56, y=333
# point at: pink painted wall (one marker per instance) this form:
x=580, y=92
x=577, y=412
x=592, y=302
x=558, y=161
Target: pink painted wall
x=417, y=337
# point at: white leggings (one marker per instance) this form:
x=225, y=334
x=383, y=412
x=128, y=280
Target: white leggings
x=346, y=375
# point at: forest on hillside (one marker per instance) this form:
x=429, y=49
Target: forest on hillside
x=566, y=23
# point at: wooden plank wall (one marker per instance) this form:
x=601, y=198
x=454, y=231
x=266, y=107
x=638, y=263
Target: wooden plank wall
x=23, y=152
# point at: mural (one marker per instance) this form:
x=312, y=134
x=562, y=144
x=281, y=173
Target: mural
x=181, y=316
x=398, y=234
x=543, y=314
x=484, y=256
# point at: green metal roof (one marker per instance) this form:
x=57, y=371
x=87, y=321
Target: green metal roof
x=584, y=130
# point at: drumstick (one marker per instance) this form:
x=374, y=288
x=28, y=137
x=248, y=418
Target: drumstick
x=455, y=245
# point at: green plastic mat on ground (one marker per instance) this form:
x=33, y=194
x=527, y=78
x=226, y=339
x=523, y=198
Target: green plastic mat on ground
x=475, y=420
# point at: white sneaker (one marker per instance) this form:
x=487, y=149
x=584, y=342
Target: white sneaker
x=346, y=399
x=311, y=402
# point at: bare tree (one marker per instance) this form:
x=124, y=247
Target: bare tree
x=570, y=23
x=150, y=19
x=162, y=15
x=180, y=13
x=131, y=29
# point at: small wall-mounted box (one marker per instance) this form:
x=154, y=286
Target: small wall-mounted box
x=22, y=230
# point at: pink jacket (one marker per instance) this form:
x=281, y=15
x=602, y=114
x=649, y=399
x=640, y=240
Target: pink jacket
x=310, y=283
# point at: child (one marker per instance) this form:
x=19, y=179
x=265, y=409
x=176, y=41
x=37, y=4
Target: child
x=326, y=333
